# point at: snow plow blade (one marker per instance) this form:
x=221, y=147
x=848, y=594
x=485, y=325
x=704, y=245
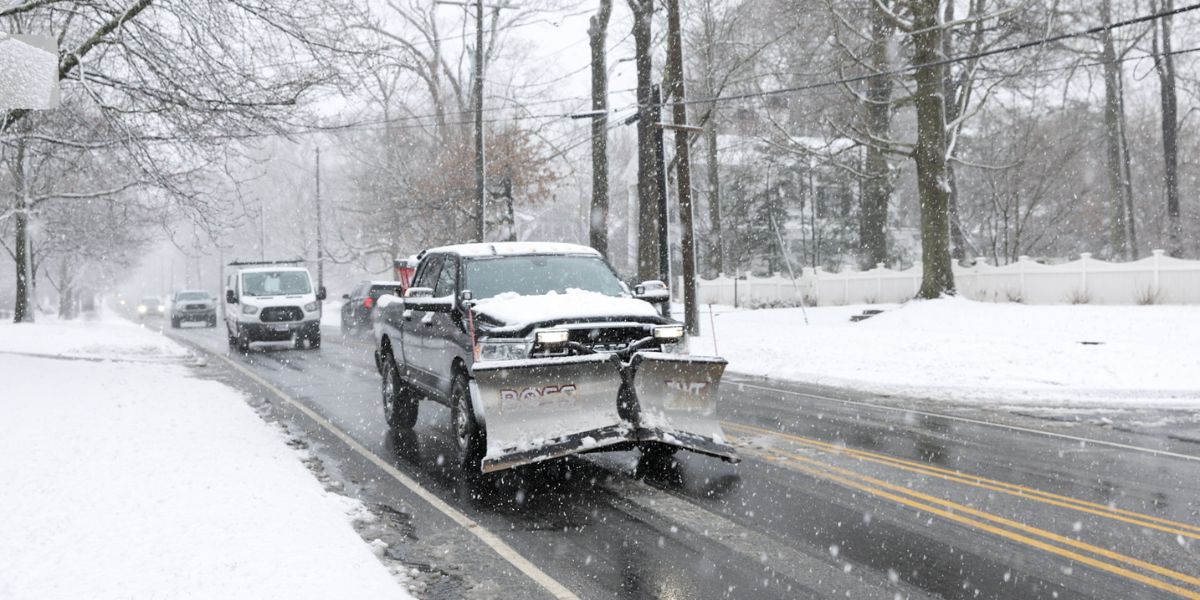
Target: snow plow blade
x=539, y=409
x=677, y=402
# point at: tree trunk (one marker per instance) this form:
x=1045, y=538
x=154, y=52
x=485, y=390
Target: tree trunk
x=930, y=153
x=22, y=311
x=1165, y=65
x=598, y=220
x=687, y=224
x=716, y=262
x=647, y=243
x=1112, y=128
x=877, y=179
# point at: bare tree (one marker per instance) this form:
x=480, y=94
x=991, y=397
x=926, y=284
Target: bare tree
x=1164, y=63
x=648, y=193
x=597, y=36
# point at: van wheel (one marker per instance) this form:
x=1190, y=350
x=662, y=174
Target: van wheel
x=400, y=402
x=468, y=439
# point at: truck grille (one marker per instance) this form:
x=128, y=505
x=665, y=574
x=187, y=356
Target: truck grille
x=608, y=339
x=277, y=314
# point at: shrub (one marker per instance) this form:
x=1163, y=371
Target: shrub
x=1148, y=296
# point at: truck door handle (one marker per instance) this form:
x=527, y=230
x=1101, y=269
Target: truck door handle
x=427, y=320
x=407, y=314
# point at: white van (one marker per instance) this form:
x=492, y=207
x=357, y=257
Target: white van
x=271, y=302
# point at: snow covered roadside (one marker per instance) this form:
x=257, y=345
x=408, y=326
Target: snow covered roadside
x=124, y=477
x=959, y=350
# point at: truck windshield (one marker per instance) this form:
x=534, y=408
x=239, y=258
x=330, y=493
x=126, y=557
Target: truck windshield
x=536, y=275
x=275, y=283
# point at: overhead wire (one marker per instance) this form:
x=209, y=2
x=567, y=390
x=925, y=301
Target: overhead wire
x=937, y=63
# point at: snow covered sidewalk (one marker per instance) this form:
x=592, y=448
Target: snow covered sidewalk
x=964, y=351
x=124, y=477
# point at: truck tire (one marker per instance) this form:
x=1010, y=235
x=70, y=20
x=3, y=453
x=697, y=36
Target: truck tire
x=400, y=402
x=468, y=439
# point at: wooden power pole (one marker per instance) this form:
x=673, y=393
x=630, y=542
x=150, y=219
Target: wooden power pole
x=687, y=242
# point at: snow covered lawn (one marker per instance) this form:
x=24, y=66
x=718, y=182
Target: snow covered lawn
x=124, y=477
x=960, y=350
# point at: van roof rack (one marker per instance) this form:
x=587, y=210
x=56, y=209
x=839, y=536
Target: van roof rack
x=251, y=263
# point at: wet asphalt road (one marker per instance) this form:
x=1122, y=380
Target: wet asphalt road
x=839, y=495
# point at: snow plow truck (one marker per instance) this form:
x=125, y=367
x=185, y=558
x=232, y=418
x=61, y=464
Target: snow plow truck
x=540, y=352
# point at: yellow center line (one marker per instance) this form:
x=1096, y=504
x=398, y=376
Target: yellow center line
x=820, y=472
x=1127, y=516
x=811, y=463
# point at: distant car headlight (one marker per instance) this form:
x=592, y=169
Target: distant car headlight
x=505, y=350
x=249, y=310
x=311, y=307
x=668, y=332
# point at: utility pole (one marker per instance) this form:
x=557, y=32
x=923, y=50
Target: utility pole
x=687, y=240
x=320, y=242
x=660, y=181
x=477, y=100
x=262, y=221
x=480, y=161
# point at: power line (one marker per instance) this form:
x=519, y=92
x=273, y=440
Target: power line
x=946, y=61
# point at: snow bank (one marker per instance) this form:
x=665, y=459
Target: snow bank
x=956, y=349
x=130, y=479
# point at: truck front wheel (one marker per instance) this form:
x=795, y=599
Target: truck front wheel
x=400, y=402
x=468, y=439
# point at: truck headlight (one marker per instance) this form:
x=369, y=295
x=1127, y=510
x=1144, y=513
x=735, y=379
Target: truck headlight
x=249, y=310
x=310, y=307
x=503, y=350
x=668, y=332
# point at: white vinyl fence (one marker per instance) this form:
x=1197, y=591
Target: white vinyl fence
x=1157, y=279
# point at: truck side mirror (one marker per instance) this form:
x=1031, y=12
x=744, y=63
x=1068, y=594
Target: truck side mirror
x=654, y=292
x=230, y=297
x=321, y=293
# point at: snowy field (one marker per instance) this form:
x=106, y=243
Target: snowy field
x=960, y=350
x=124, y=477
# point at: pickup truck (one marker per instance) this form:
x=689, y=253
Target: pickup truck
x=540, y=351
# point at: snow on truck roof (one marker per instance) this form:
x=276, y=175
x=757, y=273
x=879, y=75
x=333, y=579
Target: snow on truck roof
x=270, y=269
x=512, y=249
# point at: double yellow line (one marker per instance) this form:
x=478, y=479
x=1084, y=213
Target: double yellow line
x=983, y=521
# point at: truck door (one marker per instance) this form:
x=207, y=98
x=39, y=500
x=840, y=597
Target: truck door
x=420, y=346
x=448, y=335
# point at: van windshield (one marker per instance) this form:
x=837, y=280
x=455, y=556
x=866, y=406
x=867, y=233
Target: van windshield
x=275, y=283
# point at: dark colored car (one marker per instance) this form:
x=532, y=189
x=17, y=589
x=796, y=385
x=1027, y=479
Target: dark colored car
x=150, y=307
x=360, y=304
x=193, y=305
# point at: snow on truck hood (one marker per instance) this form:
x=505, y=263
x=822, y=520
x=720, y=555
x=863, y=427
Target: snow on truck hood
x=514, y=309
